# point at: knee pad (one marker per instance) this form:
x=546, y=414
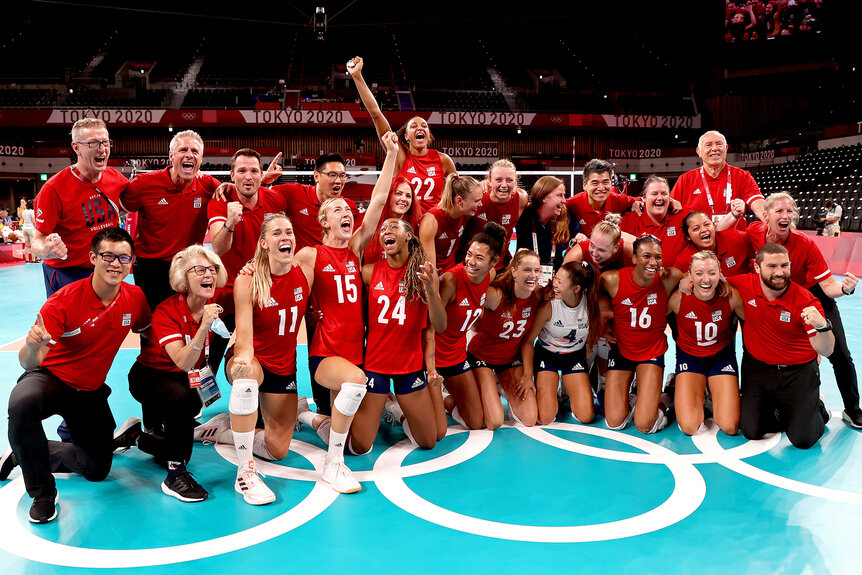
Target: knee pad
x=243, y=397
x=354, y=451
x=349, y=398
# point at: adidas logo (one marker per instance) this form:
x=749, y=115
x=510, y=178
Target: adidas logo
x=339, y=445
x=691, y=315
x=483, y=216
x=752, y=303
x=696, y=192
x=578, y=366
x=328, y=268
x=417, y=383
x=582, y=222
x=626, y=301
x=304, y=211
x=271, y=303
x=379, y=286
x=464, y=303
x=411, y=170
x=558, y=323
x=242, y=448
x=444, y=236
x=163, y=202
x=466, y=365
x=728, y=368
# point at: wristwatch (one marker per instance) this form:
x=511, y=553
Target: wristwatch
x=825, y=328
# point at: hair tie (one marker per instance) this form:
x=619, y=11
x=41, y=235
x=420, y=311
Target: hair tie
x=585, y=264
x=455, y=175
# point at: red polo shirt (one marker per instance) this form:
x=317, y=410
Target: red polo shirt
x=247, y=231
x=169, y=219
x=732, y=248
x=86, y=334
x=669, y=231
x=774, y=332
x=579, y=205
x=302, y=209
x=688, y=189
x=807, y=265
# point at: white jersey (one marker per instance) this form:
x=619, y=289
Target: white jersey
x=567, y=329
x=28, y=220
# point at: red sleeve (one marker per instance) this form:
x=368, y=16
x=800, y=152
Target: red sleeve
x=750, y=190
x=216, y=211
x=145, y=317
x=48, y=209
x=165, y=327
x=816, y=264
x=131, y=198
x=677, y=191
x=620, y=203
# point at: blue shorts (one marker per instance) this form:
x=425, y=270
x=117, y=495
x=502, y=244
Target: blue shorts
x=404, y=383
x=617, y=362
x=565, y=363
x=722, y=363
x=476, y=363
x=454, y=370
x=314, y=363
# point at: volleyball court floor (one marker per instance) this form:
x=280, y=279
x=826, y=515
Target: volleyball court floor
x=558, y=499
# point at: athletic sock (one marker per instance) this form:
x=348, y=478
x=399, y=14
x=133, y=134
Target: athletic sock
x=259, y=446
x=243, y=444
x=405, y=425
x=457, y=417
x=337, y=441
x=175, y=468
x=306, y=417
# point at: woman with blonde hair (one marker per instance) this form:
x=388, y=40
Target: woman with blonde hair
x=173, y=360
x=502, y=203
x=442, y=226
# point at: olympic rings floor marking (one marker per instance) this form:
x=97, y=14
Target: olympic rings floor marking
x=708, y=443
x=20, y=541
x=689, y=492
x=748, y=449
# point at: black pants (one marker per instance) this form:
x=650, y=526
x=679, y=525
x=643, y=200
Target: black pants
x=167, y=393
x=793, y=391
x=152, y=276
x=56, y=278
x=842, y=362
x=38, y=395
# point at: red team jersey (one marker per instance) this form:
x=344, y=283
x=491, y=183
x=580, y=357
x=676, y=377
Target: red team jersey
x=426, y=177
x=616, y=262
x=504, y=214
x=247, y=231
x=732, y=182
x=732, y=248
x=172, y=321
x=776, y=325
x=461, y=314
x=172, y=219
x=807, y=265
x=76, y=210
x=499, y=333
x=338, y=294
x=449, y=231
x=86, y=334
x=579, y=205
x=704, y=326
x=394, y=324
x=303, y=208
x=639, y=317
x=275, y=325
x=670, y=231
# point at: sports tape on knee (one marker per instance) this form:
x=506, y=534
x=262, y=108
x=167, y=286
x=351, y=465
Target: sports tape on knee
x=349, y=398
x=243, y=397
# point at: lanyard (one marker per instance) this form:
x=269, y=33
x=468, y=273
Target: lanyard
x=536, y=247
x=728, y=191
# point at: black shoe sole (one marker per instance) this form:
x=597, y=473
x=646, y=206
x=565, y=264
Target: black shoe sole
x=850, y=421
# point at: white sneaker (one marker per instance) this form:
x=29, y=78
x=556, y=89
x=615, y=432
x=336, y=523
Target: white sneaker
x=340, y=478
x=252, y=488
x=301, y=407
x=392, y=412
x=210, y=431
x=444, y=392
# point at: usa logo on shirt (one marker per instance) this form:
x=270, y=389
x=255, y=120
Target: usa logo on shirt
x=525, y=313
x=716, y=316
x=297, y=294
x=671, y=231
x=785, y=316
x=432, y=171
x=730, y=262
x=652, y=299
x=127, y=319
x=198, y=202
x=507, y=219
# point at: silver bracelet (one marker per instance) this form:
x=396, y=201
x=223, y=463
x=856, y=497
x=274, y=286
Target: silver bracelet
x=194, y=347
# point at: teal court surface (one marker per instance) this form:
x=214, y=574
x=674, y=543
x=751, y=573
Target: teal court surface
x=566, y=498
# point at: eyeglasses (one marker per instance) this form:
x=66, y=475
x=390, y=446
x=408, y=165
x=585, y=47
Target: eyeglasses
x=335, y=175
x=108, y=257
x=94, y=145
x=202, y=270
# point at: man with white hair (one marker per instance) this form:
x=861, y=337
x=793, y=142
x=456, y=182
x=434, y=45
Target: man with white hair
x=172, y=213
x=711, y=188
x=75, y=204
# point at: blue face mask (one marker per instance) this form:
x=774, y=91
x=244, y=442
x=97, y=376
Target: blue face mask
x=220, y=328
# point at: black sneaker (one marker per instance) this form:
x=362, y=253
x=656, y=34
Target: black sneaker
x=184, y=487
x=127, y=434
x=7, y=464
x=853, y=416
x=44, y=509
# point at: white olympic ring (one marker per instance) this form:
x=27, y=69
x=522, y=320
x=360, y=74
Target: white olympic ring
x=689, y=492
x=26, y=544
